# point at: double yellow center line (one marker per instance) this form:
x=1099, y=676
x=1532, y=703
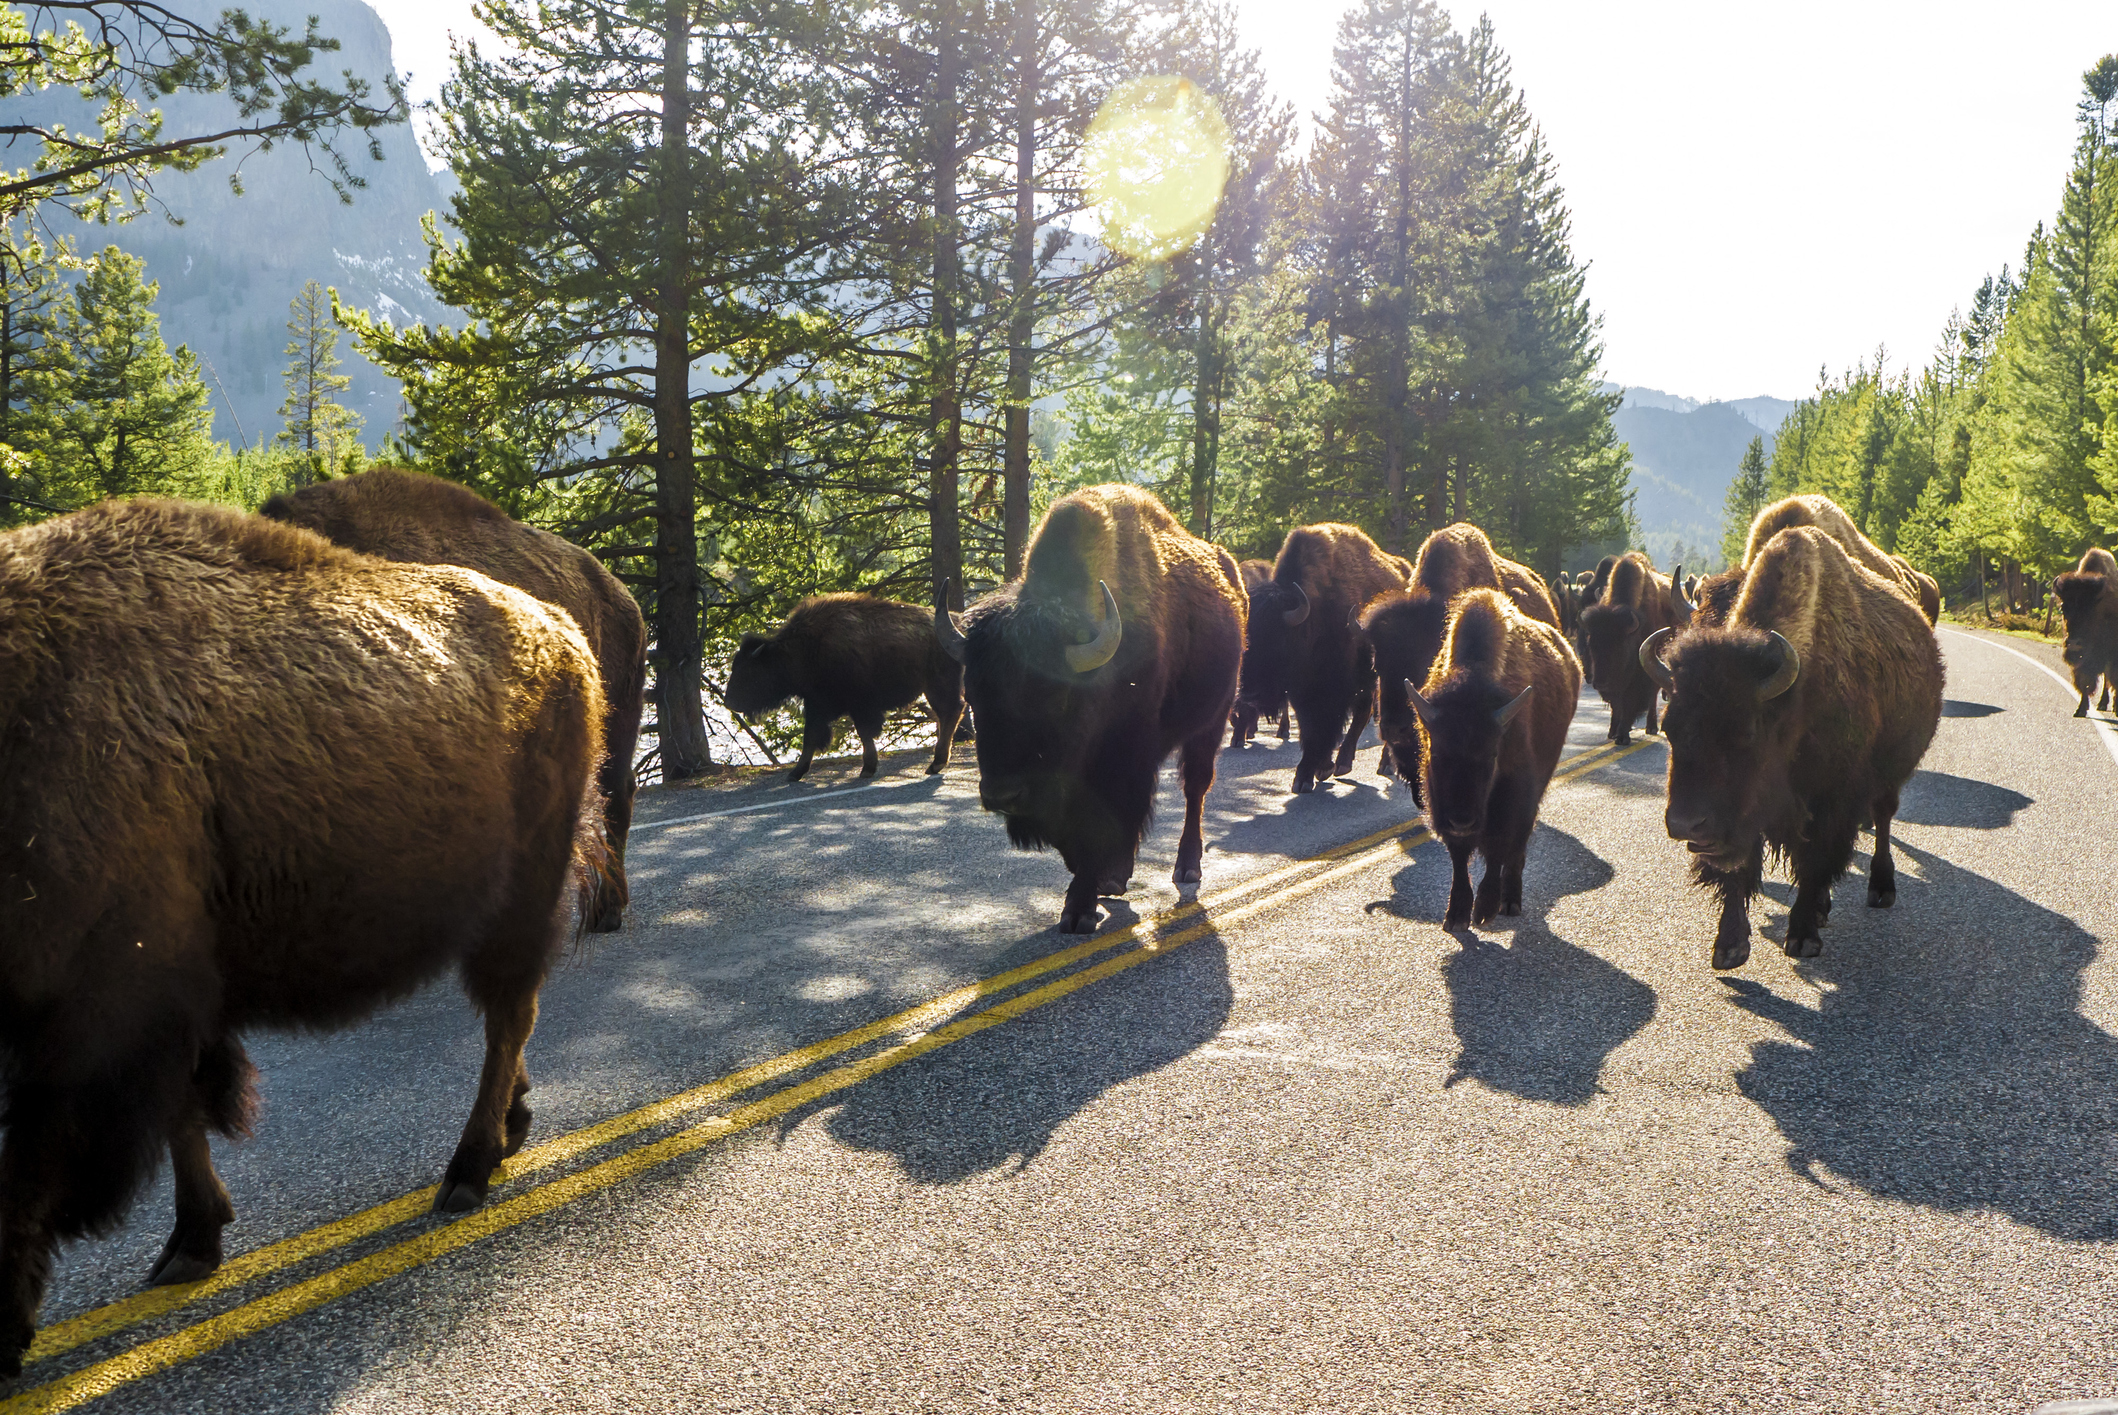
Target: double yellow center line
x=917, y=1030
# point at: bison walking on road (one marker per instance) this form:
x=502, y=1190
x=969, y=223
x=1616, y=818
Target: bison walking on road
x=1792, y=726
x=1635, y=604
x=1827, y=516
x=1495, y=711
x=1244, y=720
x=249, y=778
x=422, y=520
x=1304, y=646
x=2088, y=598
x=1120, y=644
x=849, y=655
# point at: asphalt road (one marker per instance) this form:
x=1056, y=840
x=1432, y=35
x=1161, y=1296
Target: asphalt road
x=1301, y=1150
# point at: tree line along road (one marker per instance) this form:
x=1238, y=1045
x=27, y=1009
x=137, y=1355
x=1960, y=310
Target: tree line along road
x=840, y=1124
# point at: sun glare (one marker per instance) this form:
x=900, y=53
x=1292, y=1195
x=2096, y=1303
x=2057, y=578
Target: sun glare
x=1157, y=158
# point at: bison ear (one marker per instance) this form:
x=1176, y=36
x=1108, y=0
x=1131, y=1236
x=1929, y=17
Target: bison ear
x=1651, y=659
x=1507, y=714
x=1783, y=676
x=1419, y=704
x=948, y=629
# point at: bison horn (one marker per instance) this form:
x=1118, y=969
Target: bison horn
x=1681, y=607
x=1419, y=704
x=1088, y=657
x=1651, y=659
x=1782, y=677
x=948, y=632
x=1506, y=715
x=1301, y=611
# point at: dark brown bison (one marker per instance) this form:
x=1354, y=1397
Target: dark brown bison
x=1793, y=725
x=404, y=516
x=2088, y=598
x=251, y=779
x=1405, y=629
x=1568, y=598
x=1495, y=711
x=1815, y=509
x=1635, y=604
x=849, y=655
x=1304, y=644
x=1120, y=644
x=1244, y=720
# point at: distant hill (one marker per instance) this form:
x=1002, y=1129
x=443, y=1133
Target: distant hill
x=1684, y=455
x=229, y=271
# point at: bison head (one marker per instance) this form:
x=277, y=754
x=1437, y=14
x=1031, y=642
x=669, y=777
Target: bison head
x=1731, y=735
x=760, y=676
x=2080, y=595
x=1611, y=635
x=1277, y=613
x=1405, y=629
x=1465, y=721
x=1044, y=676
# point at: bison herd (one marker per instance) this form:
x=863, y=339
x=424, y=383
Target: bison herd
x=281, y=770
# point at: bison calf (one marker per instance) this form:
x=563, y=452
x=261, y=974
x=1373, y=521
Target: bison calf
x=251, y=779
x=2088, y=600
x=849, y=655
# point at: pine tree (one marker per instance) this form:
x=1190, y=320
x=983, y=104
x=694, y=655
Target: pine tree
x=34, y=365
x=1747, y=495
x=317, y=424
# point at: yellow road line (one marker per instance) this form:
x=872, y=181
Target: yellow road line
x=253, y=1316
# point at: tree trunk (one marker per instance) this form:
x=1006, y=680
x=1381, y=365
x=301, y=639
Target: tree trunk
x=1022, y=324
x=679, y=668
x=1205, y=421
x=945, y=427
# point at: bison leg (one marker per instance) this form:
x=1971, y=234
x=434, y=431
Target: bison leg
x=869, y=725
x=222, y=1099
x=500, y=1118
x=816, y=734
x=1195, y=769
x=609, y=893
x=2104, y=703
x=1487, y=901
x=27, y=1196
x=1882, y=870
x=1459, y=913
x=1386, y=765
x=1654, y=723
x=1080, y=913
x=1621, y=726
x=1283, y=722
x=1319, y=741
x=1736, y=889
x=1363, y=707
x=946, y=703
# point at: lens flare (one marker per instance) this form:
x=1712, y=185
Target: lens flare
x=1156, y=158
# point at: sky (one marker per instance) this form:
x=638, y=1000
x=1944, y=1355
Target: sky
x=1758, y=190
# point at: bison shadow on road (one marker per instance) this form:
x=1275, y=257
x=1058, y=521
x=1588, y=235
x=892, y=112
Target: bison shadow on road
x=1535, y=1016
x=1937, y=798
x=1955, y=708
x=1949, y=1067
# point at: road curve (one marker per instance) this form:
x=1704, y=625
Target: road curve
x=1297, y=1150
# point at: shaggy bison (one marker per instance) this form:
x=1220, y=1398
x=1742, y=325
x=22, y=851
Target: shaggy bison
x=251, y=779
x=849, y=655
x=1635, y=604
x=1244, y=720
x=1495, y=711
x=1826, y=515
x=404, y=516
x=1793, y=725
x=2088, y=598
x=1304, y=644
x=1120, y=643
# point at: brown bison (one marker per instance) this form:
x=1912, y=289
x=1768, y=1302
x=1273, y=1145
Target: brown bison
x=1406, y=628
x=2088, y=599
x=1304, y=645
x=849, y=655
x=404, y=516
x=1120, y=644
x=1635, y=604
x=1825, y=514
x=1793, y=725
x=251, y=779
x=1244, y=720
x=1495, y=711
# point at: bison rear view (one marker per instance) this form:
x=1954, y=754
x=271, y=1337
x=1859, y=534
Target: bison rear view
x=251, y=779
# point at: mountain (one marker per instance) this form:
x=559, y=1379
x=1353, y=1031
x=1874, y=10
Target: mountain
x=229, y=270
x=1684, y=455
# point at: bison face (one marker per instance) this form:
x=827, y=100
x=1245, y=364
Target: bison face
x=1277, y=613
x=1466, y=721
x=1612, y=635
x=758, y=676
x=2079, y=597
x=1729, y=731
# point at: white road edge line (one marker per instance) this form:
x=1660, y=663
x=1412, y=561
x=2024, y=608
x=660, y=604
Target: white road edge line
x=2104, y=729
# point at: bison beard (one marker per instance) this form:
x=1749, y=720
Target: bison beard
x=248, y=778
x=1119, y=645
x=422, y=520
x=1792, y=726
x=2088, y=600
x=1495, y=711
x=849, y=655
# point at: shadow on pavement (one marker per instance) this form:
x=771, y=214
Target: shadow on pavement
x=1950, y=1067
x=1954, y=708
x=1937, y=798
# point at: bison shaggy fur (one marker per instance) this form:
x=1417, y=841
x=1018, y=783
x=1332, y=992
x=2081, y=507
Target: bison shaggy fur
x=1815, y=509
x=422, y=520
x=251, y=779
x=850, y=655
x=1496, y=708
x=1120, y=644
x=2088, y=598
x=1635, y=604
x=1791, y=726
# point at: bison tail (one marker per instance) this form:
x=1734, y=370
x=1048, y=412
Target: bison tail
x=597, y=874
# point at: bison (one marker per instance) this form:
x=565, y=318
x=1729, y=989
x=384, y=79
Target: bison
x=1790, y=726
x=1826, y=515
x=1495, y=711
x=249, y=778
x=1635, y=604
x=849, y=655
x=1120, y=644
x=1244, y=720
x=1304, y=644
x=404, y=516
x=2088, y=599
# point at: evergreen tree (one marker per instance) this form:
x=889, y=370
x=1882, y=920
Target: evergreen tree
x=1747, y=495
x=34, y=365
x=325, y=431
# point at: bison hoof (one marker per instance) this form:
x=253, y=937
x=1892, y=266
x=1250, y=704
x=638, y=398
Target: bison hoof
x=1112, y=886
x=1080, y=922
x=1807, y=945
x=1188, y=874
x=2082, y=711
x=1623, y=739
x=11, y=1348
x=1304, y=783
x=177, y=1268
x=606, y=919
x=1881, y=896
x=1731, y=955
x=458, y=1196
x=934, y=768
